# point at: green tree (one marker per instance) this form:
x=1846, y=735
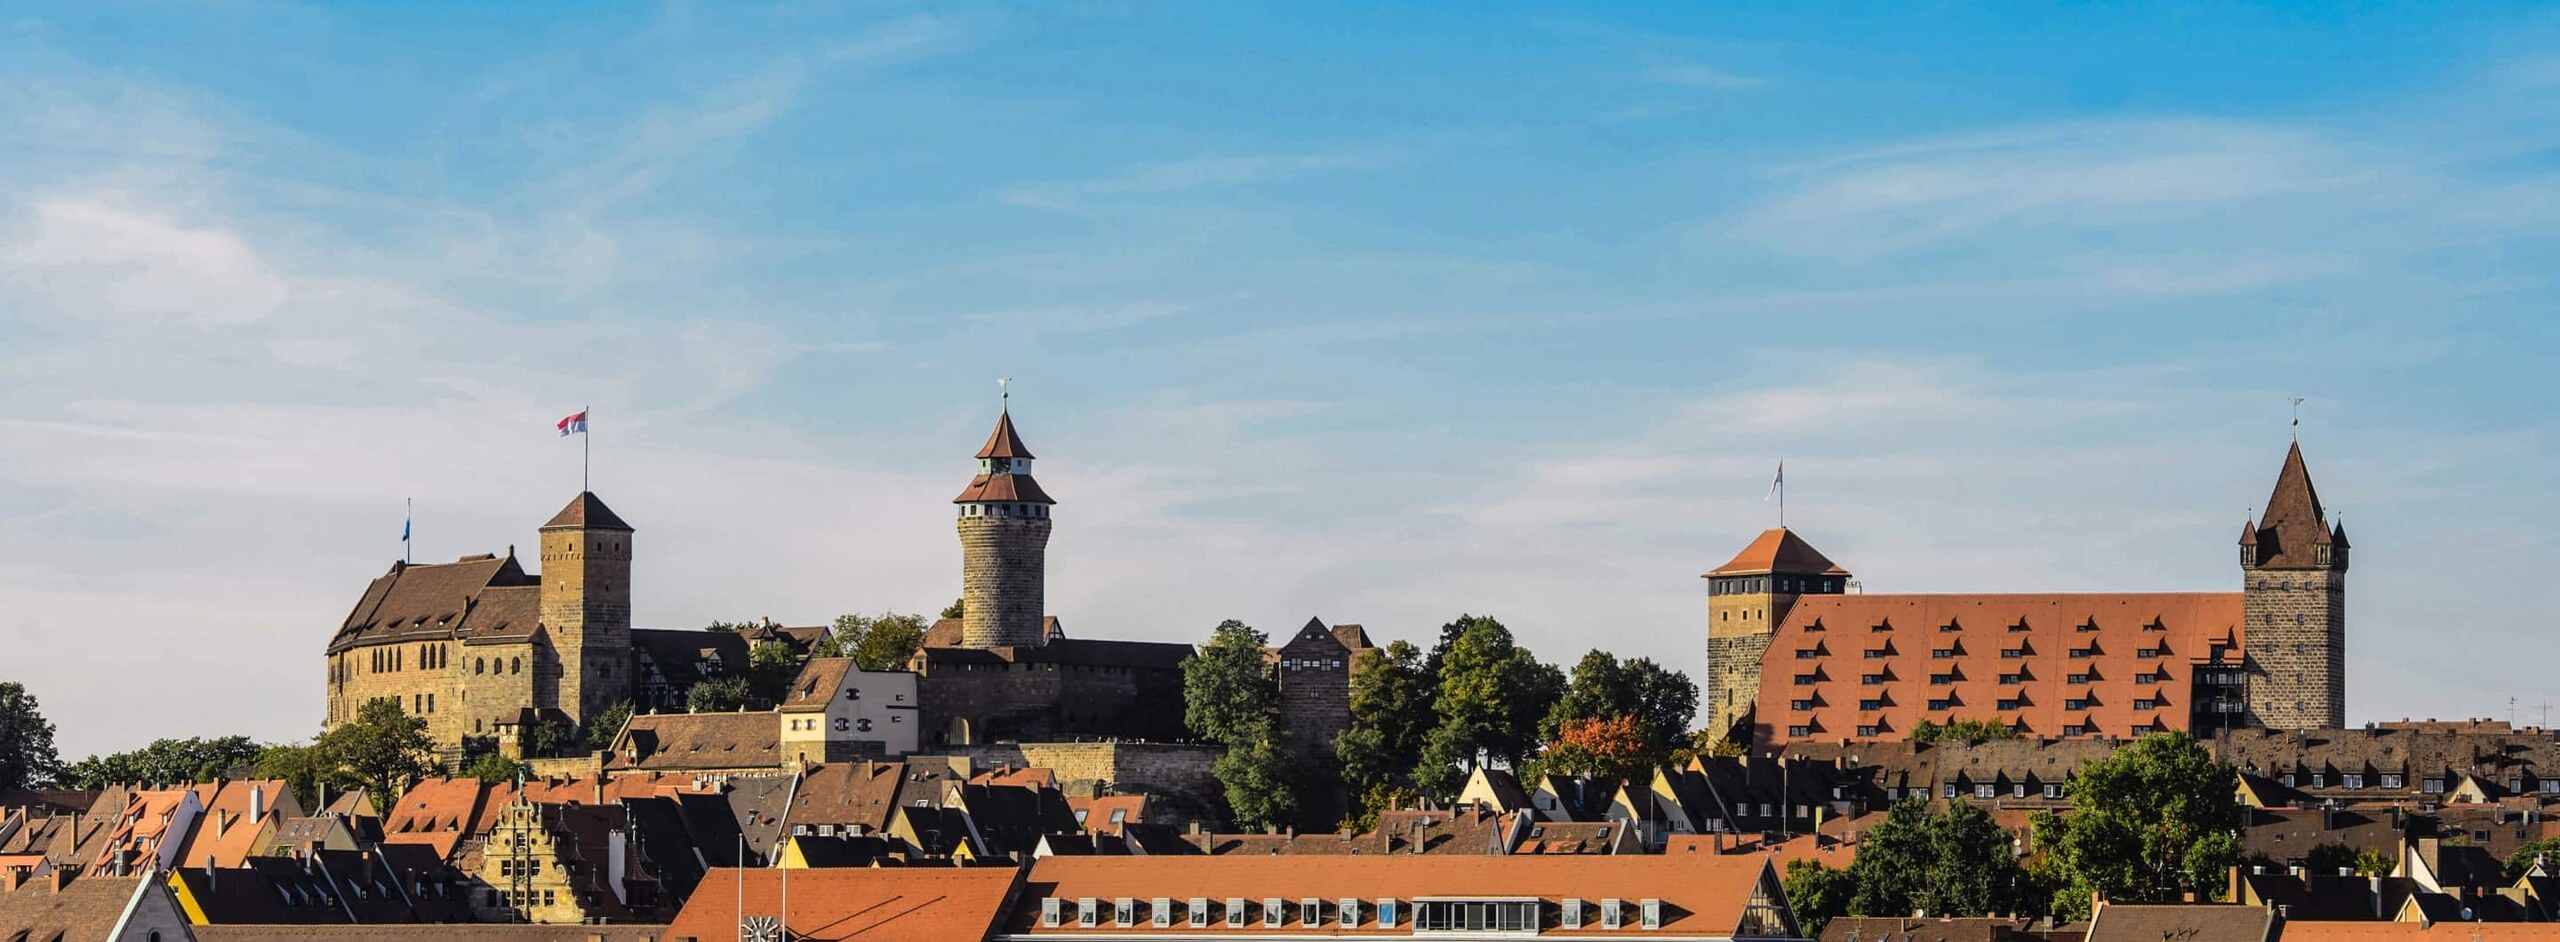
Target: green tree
x=303, y=768
x=958, y=607
x=548, y=736
x=2156, y=818
x=2329, y=858
x=1953, y=863
x=1925, y=732
x=382, y=749
x=1493, y=696
x=770, y=669
x=606, y=725
x=27, y=757
x=1227, y=688
x=1818, y=893
x=164, y=761
x=1702, y=742
x=1257, y=770
x=494, y=768
x=1603, y=687
x=717, y=696
x=880, y=642
x=2526, y=855
x=1390, y=715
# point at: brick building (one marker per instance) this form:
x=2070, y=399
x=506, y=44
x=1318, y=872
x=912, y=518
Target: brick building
x=1003, y=670
x=1810, y=660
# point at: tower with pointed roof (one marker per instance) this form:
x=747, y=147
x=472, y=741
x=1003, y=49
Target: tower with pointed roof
x=1747, y=598
x=586, y=610
x=2293, y=563
x=1004, y=546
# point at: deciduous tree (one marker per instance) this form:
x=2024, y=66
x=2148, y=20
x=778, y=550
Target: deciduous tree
x=723, y=695
x=164, y=761
x=881, y=642
x=1227, y=688
x=1258, y=773
x=1818, y=893
x=27, y=756
x=1953, y=863
x=1390, y=715
x=2155, y=819
x=1926, y=732
x=383, y=749
x=1603, y=687
x=602, y=729
x=1493, y=696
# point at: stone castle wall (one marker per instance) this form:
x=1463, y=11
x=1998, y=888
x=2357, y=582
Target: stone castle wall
x=1139, y=767
x=1733, y=678
x=2295, y=636
x=1003, y=563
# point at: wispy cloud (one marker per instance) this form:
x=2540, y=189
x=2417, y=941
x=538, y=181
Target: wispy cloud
x=1699, y=75
x=1181, y=176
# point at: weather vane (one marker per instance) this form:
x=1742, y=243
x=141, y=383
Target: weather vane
x=2297, y=418
x=1004, y=389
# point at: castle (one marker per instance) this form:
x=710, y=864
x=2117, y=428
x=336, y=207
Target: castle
x=1794, y=654
x=483, y=650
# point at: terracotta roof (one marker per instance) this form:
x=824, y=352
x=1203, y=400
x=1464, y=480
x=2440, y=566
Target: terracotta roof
x=1002, y=488
x=86, y=909
x=1779, y=551
x=852, y=793
x=586, y=511
x=1004, y=442
x=698, y=742
x=2294, y=527
x=2123, y=922
x=1109, y=814
x=1353, y=637
x=897, y=904
x=2307, y=931
x=492, y=932
x=817, y=684
x=1830, y=639
x=226, y=832
x=1702, y=896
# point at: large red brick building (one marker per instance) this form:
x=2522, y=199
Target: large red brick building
x=1796, y=654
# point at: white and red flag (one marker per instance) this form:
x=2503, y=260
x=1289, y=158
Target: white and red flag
x=575, y=423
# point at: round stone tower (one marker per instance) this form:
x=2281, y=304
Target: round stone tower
x=1004, y=545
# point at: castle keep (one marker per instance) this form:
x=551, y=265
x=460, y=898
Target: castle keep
x=1794, y=656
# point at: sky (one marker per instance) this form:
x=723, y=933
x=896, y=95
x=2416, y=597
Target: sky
x=1373, y=313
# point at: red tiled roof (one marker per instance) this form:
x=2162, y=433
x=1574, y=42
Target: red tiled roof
x=992, y=488
x=898, y=904
x=1779, y=551
x=1702, y=895
x=1004, y=442
x=1829, y=637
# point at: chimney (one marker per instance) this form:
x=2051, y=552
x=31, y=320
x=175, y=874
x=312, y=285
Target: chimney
x=2375, y=883
x=257, y=802
x=12, y=878
x=57, y=878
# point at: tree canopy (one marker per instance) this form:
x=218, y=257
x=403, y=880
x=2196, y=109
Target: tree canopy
x=1613, y=749
x=717, y=696
x=1952, y=863
x=382, y=749
x=27, y=756
x=1494, y=694
x=881, y=642
x=1818, y=893
x=167, y=761
x=2156, y=818
x=602, y=729
x=1602, y=687
x=1926, y=732
x=1390, y=715
x=1227, y=688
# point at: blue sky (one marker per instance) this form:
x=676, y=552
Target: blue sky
x=1379, y=315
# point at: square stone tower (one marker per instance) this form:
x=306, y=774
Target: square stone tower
x=1004, y=546
x=1747, y=598
x=2293, y=566
x=586, y=607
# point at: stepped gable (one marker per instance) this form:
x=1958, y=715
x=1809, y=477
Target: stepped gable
x=1779, y=551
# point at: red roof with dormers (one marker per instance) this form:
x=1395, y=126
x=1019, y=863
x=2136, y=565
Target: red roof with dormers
x=1972, y=653
x=1779, y=551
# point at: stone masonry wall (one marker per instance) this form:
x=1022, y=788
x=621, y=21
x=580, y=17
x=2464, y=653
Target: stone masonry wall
x=1733, y=677
x=2296, y=641
x=1155, y=767
x=586, y=604
x=1003, y=562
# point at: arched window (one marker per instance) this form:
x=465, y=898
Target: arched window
x=515, y=665
x=479, y=664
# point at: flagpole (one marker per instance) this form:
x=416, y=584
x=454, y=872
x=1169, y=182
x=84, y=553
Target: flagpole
x=586, y=449
x=409, y=518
